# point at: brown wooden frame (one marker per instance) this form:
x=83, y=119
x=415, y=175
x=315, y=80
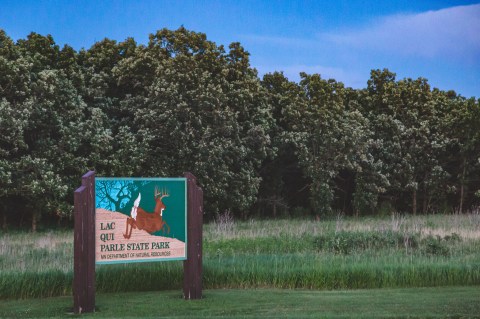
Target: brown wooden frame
x=84, y=244
x=192, y=267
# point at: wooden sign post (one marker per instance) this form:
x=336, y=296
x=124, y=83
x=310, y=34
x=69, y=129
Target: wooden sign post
x=132, y=227
x=192, y=267
x=84, y=246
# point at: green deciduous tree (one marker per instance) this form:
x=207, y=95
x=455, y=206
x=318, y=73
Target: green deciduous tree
x=201, y=110
x=284, y=185
x=332, y=136
x=404, y=117
x=42, y=117
x=461, y=125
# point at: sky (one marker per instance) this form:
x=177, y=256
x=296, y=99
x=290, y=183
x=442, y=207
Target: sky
x=344, y=40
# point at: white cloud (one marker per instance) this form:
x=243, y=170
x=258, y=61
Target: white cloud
x=441, y=45
x=450, y=33
x=279, y=41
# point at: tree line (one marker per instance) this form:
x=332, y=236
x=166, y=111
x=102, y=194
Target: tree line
x=258, y=146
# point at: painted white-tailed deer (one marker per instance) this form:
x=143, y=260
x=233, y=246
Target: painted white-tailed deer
x=143, y=220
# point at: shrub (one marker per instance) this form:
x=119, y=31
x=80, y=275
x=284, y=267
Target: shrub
x=435, y=246
x=348, y=242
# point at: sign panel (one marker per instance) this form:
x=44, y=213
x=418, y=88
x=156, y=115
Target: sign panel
x=140, y=219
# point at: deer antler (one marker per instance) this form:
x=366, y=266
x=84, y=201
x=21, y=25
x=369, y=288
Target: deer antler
x=162, y=194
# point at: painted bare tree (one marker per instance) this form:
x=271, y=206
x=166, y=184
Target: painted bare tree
x=114, y=195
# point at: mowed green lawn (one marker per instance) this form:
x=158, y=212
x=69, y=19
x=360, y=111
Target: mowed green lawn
x=439, y=302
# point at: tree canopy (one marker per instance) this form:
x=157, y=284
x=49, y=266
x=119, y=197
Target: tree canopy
x=258, y=146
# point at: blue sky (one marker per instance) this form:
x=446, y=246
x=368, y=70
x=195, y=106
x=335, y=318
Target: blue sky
x=344, y=40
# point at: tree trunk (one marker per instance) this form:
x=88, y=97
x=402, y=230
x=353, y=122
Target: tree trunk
x=274, y=208
x=4, y=221
x=462, y=186
x=425, y=202
x=34, y=221
x=426, y=195
x=414, y=202
x=460, y=207
x=462, y=190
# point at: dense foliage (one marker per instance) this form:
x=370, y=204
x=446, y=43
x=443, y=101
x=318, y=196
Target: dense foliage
x=257, y=146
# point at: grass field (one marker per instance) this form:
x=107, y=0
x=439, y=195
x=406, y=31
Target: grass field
x=342, y=253
x=441, y=302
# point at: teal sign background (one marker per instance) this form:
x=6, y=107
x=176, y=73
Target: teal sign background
x=119, y=194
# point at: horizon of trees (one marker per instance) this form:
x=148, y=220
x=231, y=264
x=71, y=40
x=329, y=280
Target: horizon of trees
x=264, y=147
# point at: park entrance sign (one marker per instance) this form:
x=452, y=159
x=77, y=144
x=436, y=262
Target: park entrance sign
x=119, y=220
x=140, y=219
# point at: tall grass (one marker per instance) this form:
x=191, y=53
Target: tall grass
x=347, y=253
